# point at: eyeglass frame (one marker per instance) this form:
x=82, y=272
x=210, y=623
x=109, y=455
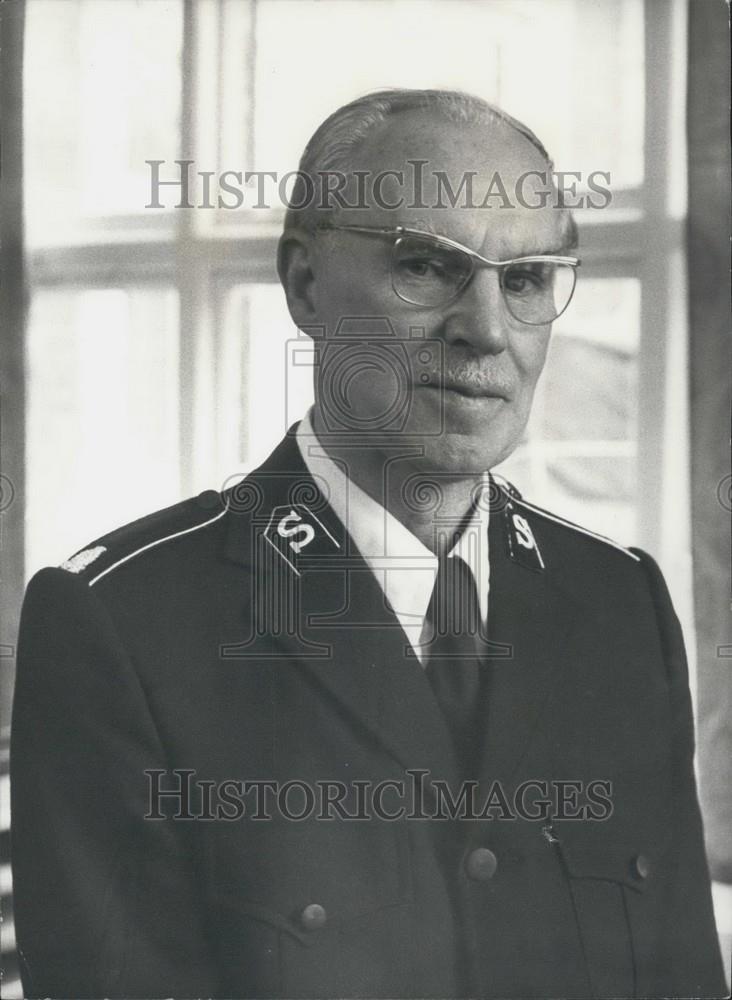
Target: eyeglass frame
x=399, y=232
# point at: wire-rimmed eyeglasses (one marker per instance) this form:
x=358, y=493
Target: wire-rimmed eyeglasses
x=429, y=270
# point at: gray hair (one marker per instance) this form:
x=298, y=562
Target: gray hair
x=334, y=143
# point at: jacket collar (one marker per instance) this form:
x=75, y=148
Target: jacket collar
x=404, y=568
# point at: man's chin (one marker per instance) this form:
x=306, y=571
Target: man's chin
x=462, y=455
x=470, y=439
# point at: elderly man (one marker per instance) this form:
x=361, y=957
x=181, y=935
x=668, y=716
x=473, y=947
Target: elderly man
x=370, y=723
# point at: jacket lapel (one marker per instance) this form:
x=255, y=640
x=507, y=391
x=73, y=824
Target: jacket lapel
x=373, y=673
x=531, y=614
x=321, y=610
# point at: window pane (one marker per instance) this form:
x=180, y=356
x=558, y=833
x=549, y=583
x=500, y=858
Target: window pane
x=580, y=448
x=589, y=386
x=102, y=435
x=267, y=382
x=102, y=86
x=534, y=59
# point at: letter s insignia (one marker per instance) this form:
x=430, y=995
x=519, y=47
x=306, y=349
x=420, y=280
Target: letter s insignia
x=524, y=534
x=305, y=532
x=521, y=541
x=294, y=532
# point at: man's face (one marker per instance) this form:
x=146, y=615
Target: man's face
x=466, y=409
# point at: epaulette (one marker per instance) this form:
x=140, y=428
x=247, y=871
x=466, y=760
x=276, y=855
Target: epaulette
x=123, y=544
x=516, y=496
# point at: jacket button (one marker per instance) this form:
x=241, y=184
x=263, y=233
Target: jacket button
x=641, y=867
x=481, y=864
x=313, y=917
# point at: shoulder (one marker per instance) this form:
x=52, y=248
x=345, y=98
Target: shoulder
x=154, y=534
x=564, y=527
x=176, y=544
x=145, y=589
x=565, y=543
x=599, y=573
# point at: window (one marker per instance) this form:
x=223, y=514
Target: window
x=162, y=360
x=157, y=335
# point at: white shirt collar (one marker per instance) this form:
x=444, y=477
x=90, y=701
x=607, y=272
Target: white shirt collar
x=404, y=568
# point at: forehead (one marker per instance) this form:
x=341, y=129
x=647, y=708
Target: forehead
x=479, y=183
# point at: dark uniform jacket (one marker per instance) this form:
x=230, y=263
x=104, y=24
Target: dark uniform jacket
x=201, y=646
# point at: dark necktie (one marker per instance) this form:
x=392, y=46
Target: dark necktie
x=453, y=665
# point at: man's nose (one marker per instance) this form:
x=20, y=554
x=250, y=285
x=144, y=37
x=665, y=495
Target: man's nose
x=478, y=316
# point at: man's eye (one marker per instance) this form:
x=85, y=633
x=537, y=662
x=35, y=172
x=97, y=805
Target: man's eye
x=522, y=281
x=420, y=267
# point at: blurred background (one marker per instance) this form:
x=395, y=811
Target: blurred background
x=148, y=351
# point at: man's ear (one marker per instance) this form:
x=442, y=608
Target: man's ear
x=294, y=266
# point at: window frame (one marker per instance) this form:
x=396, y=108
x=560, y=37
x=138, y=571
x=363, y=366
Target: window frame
x=640, y=237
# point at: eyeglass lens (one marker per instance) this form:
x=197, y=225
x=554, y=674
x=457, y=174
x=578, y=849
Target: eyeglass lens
x=429, y=274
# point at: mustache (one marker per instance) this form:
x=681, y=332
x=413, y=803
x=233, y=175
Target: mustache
x=470, y=376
